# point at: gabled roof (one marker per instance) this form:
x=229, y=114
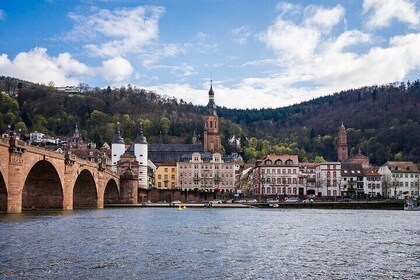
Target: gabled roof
x=352, y=169
x=279, y=160
x=159, y=153
x=402, y=167
x=168, y=163
x=373, y=171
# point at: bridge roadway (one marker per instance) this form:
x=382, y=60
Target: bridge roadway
x=33, y=178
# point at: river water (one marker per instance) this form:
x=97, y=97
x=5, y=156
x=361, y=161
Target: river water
x=164, y=243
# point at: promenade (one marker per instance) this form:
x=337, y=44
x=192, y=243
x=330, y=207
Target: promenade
x=397, y=205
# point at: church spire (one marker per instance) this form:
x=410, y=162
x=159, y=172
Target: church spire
x=211, y=106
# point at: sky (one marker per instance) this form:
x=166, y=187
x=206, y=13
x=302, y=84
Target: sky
x=259, y=53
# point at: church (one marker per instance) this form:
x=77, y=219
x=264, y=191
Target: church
x=160, y=152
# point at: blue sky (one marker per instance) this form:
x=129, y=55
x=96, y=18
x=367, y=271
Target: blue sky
x=259, y=53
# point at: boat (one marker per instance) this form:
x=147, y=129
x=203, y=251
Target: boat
x=410, y=205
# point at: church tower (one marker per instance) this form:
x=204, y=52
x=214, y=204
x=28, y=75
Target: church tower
x=212, y=142
x=342, y=149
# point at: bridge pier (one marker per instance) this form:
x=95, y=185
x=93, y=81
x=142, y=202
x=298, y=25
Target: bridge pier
x=14, y=188
x=129, y=188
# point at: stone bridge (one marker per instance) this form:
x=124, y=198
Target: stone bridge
x=33, y=178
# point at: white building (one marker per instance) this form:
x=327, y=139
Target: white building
x=206, y=172
x=328, y=179
x=405, y=179
x=40, y=138
x=307, y=177
x=352, y=180
x=277, y=175
x=372, y=182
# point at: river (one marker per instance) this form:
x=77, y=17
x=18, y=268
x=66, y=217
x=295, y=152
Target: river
x=164, y=243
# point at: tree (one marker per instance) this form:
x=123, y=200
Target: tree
x=319, y=159
x=164, y=125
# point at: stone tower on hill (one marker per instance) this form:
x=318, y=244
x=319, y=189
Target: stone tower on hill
x=342, y=148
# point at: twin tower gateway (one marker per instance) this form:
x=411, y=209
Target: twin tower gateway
x=134, y=158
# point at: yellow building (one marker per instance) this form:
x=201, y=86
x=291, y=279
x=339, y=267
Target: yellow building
x=165, y=176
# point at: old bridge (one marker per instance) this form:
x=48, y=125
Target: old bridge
x=33, y=178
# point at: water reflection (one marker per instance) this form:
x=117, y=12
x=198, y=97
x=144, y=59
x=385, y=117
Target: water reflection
x=144, y=243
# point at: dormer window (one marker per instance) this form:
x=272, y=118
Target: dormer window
x=268, y=162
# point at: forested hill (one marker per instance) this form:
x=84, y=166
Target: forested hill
x=381, y=121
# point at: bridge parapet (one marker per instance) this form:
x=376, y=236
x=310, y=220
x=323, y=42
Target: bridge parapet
x=4, y=141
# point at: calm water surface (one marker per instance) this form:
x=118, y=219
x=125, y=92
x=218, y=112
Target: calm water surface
x=163, y=243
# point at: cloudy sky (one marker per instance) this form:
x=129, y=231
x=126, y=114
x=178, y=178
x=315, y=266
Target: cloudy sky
x=259, y=53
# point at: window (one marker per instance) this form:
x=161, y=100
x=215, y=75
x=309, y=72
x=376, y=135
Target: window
x=166, y=169
x=159, y=176
x=173, y=169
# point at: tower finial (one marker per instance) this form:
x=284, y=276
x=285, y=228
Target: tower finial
x=118, y=129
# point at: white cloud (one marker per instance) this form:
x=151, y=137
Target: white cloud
x=37, y=66
x=182, y=70
x=382, y=12
x=323, y=19
x=116, y=69
x=2, y=15
x=124, y=30
x=314, y=61
x=294, y=41
x=241, y=34
x=159, y=51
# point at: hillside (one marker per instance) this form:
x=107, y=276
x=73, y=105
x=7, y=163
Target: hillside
x=381, y=121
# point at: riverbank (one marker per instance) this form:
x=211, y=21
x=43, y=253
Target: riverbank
x=316, y=205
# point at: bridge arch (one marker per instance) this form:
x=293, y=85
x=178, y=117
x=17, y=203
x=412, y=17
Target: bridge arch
x=85, y=194
x=42, y=187
x=3, y=194
x=112, y=193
